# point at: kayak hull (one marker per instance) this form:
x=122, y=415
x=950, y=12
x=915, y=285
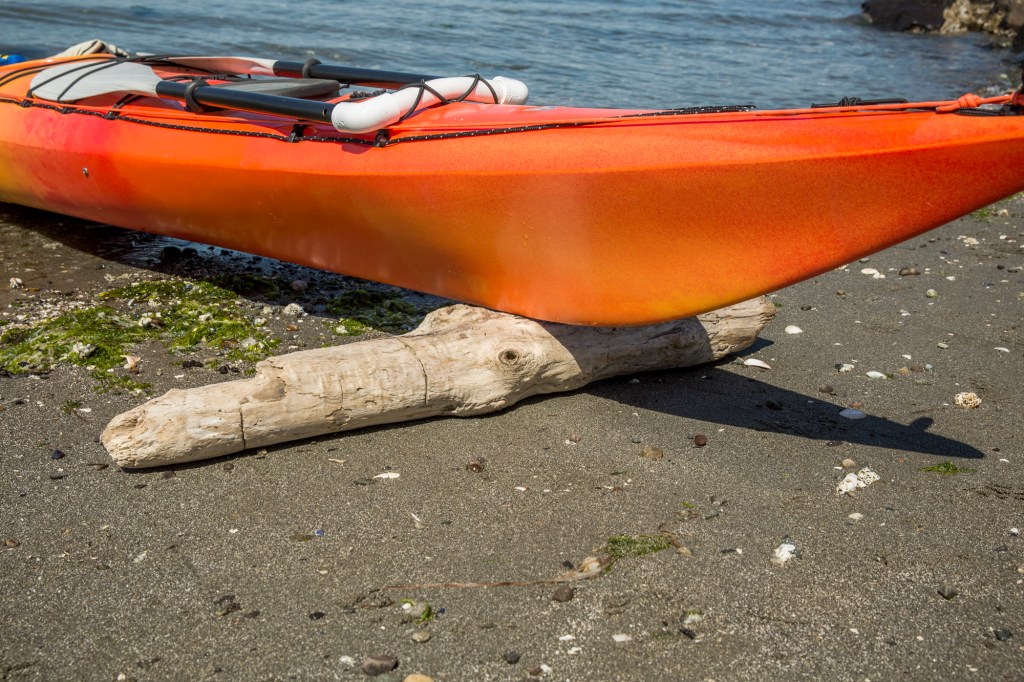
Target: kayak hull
x=621, y=220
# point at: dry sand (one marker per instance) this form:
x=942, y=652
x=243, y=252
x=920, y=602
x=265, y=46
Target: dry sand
x=273, y=564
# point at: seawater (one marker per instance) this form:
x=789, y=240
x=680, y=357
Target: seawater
x=626, y=53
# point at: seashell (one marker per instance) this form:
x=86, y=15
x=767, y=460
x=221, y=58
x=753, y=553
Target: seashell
x=793, y=329
x=874, y=375
x=754, y=362
x=388, y=475
x=851, y=413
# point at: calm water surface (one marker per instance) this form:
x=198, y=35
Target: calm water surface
x=645, y=53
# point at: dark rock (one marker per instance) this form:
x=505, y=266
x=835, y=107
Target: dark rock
x=907, y=15
x=563, y=593
x=378, y=665
x=56, y=476
x=690, y=634
x=192, y=364
x=57, y=454
x=475, y=466
x=947, y=592
x=317, y=615
x=512, y=657
x=700, y=440
x=1004, y=634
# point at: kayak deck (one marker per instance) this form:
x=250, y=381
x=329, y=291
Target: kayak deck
x=585, y=216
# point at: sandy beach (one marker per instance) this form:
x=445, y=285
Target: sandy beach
x=734, y=559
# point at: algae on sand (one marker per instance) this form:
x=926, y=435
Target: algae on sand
x=182, y=315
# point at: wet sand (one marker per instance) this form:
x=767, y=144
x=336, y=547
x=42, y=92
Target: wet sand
x=274, y=564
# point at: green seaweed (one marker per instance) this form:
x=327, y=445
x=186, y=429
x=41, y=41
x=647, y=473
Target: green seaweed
x=947, y=468
x=249, y=285
x=183, y=316
x=633, y=546
x=386, y=311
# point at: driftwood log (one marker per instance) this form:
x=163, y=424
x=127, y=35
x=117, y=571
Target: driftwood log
x=460, y=361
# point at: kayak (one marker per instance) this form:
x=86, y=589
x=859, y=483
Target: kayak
x=588, y=216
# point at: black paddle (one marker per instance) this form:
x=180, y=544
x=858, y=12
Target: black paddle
x=76, y=80
x=311, y=69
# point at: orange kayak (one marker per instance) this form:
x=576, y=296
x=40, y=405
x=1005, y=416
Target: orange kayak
x=575, y=215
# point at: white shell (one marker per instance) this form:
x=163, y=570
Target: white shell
x=388, y=474
x=874, y=375
x=851, y=413
x=754, y=362
x=793, y=329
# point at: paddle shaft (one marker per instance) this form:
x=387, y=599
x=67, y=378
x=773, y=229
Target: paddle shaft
x=347, y=74
x=227, y=98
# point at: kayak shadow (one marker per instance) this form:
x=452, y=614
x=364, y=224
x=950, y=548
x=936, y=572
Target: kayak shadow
x=715, y=395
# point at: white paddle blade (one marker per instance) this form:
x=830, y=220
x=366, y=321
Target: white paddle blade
x=252, y=66
x=72, y=81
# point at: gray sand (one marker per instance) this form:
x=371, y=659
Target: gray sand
x=273, y=564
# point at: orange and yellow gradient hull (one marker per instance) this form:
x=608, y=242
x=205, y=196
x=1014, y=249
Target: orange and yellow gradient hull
x=584, y=216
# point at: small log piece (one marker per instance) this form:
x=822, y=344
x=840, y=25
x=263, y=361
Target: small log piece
x=460, y=361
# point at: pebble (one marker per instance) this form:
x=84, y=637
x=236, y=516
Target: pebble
x=873, y=273
x=653, y=453
x=947, y=592
x=907, y=272
x=856, y=516
x=294, y=309
x=1004, y=634
x=622, y=637
x=475, y=466
x=512, y=657
x=874, y=375
x=57, y=454
x=416, y=677
x=793, y=329
x=56, y=476
x=11, y=543
x=17, y=283
x=700, y=440
x=563, y=593
x=931, y=293
x=848, y=463
x=299, y=285
x=942, y=344
x=378, y=665
x=967, y=400
x=845, y=368
x=421, y=636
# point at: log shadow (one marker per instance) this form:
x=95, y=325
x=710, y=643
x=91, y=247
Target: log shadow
x=712, y=394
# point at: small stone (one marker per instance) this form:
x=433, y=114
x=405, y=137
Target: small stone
x=17, y=283
x=317, y=615
x=378, y=665
x=56, y=476
x=966, y=400
x=512, y=657
x=57, y=454
x=421, y=636
x=416, y=677
x=947, y=592
x=535, y=671
x=11, y=543
x=856, y=516
x=931, y=293
x=874, y=375
x=299, y=285
x=793, y=329
x=653, y=453
x=942, y=344
x=851, y=413
x=827, y=389
x=845, y=368
x=563, y=593
x=475, y=465
x=848, y=463
x=294, y=310
x=700, y=440
x=908, y=272
x=1004, y=634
